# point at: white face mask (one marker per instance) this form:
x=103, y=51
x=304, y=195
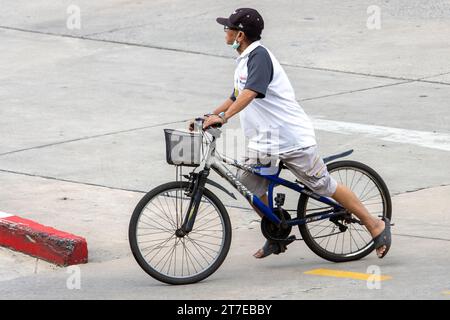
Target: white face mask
x=235, y=44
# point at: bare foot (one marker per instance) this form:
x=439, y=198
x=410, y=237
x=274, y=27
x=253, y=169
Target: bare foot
x=273, y=247
x=259, y=254
x=268, y=248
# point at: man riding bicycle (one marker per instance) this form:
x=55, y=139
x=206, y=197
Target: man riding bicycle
x=276, y=125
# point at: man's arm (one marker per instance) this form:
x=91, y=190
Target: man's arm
x=243, y=99
x=260, y=74
x=224, y=106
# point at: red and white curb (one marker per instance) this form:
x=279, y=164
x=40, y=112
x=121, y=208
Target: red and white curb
x=42, y=242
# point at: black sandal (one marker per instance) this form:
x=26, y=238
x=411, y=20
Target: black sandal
x=384, y=238
x=275, y=247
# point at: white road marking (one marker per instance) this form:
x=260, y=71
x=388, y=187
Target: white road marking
x=427, y=139
x=5, y=215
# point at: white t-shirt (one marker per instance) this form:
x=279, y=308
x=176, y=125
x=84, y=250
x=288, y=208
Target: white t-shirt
x=273, y=122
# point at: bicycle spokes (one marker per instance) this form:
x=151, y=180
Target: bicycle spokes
x=169, y=252
x=346, y=235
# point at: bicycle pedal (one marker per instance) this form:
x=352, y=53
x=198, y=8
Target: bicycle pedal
x=279, y=199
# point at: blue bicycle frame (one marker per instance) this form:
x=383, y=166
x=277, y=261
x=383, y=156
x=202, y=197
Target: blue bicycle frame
x=215, y=160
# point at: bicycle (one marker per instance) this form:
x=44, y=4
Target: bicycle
x=180, y=232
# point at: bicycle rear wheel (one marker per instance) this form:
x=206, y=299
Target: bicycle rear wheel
x=179, y=259
x=324, y=237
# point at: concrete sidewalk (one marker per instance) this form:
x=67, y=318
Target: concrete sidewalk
x=102, y=215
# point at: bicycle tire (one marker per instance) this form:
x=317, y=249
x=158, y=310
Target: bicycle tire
x=134, y=242
x=303, y=202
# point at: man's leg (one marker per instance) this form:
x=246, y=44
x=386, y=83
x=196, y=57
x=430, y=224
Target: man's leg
x=309, y=167
x=258, y=186
x=350, y=201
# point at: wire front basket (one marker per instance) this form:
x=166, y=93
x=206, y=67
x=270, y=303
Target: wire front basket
x=183, y=147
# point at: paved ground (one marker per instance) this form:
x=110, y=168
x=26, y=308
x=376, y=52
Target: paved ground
x=82, y=113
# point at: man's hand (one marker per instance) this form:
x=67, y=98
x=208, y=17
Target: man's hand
x=212, y=120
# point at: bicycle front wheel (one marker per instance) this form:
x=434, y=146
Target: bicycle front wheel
x=353, y=242
x=179, y=259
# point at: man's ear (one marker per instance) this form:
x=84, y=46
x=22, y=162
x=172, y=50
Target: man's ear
x=240, y=36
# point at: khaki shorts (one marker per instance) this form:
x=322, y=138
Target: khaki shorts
x=305, y=164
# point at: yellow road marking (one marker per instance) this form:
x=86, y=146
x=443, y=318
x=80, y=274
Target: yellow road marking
x=347, y=274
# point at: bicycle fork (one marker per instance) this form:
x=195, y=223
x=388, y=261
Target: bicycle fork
x=197, y=194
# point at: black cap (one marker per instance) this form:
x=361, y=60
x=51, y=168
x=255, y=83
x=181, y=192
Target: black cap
x=247, y=20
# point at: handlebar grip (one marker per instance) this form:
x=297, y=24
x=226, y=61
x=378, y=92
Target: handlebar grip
x=216, y=125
